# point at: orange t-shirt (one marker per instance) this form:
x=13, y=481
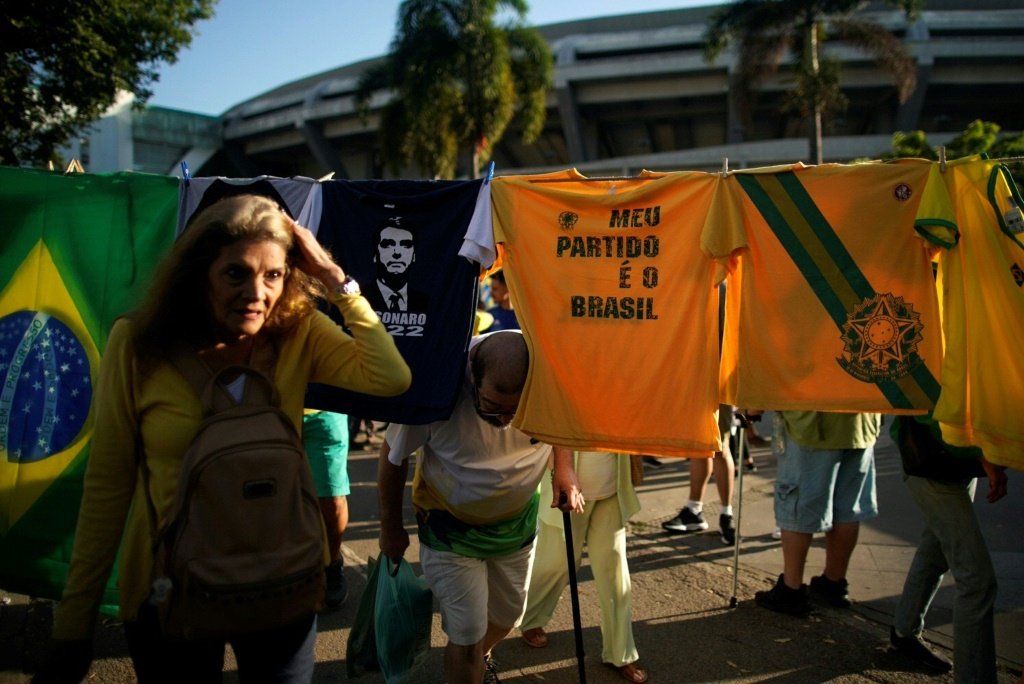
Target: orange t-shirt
x=618, y=303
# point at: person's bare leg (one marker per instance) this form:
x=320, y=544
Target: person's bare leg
x=494, y=634
x=795, y=546
x=464, y=664
x=700, y=473
x=840, y=542
x=335, y=513
x=725, y=474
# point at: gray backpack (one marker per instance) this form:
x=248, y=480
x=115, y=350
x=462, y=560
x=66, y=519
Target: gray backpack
x=242, y=550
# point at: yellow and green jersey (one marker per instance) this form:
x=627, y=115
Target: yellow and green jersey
x=831, y=301
x=982, y=292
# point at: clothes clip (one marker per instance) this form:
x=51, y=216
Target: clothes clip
x=490, y=173
x=186, y=175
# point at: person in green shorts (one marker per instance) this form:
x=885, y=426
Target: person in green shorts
x=325, y=435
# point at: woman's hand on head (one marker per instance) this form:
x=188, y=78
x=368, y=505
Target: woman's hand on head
x=314, y=259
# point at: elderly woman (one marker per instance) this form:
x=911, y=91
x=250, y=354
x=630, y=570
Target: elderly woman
x=238, y=288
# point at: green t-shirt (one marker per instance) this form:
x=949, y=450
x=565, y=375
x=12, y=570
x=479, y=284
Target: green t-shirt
x=823, y=430
x=924, y=454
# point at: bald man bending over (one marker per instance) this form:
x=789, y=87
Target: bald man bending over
x=476, y=501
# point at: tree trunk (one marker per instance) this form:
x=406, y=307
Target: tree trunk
x=815, y=134
x=475, y=157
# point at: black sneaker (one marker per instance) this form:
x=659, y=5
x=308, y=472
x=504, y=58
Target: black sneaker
x=337, y=587
x=728, y=531
x=916, y=649
x=834, y=593
x=653, y=462
x=490, y=671
x=686, y=521
x=782, y=599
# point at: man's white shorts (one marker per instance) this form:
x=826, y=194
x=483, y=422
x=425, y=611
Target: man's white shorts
x=473, y=592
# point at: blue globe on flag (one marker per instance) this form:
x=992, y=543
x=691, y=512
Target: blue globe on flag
x=47, y=386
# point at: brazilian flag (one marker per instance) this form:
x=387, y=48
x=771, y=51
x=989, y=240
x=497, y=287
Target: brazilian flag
x=76, y=252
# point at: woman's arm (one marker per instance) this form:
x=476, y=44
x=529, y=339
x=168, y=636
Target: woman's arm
x=367, y=361
x=109, y=485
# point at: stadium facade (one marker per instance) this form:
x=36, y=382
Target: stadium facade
x=634, y=92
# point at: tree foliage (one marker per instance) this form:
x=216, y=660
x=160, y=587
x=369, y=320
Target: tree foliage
x=458, y=77
x=980, y=137
x=766, y=31
x=63, y=64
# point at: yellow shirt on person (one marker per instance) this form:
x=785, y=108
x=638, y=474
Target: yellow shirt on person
x=161, y=408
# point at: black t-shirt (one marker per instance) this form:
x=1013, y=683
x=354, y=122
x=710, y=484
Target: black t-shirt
x=434, y=314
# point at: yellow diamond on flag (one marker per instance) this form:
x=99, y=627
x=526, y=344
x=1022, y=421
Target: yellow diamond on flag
x=47, y=369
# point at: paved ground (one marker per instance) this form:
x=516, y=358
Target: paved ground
x=683, y=586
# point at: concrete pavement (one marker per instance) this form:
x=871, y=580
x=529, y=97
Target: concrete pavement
x=685, y=629
x=885, y=549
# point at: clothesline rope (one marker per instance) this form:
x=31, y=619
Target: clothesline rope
x=725, y=170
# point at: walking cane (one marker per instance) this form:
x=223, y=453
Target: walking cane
x=741, y=444
x=574, y=593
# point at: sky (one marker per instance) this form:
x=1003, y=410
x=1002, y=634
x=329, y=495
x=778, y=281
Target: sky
x=252, y=46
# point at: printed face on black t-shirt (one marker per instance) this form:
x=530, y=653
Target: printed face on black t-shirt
x=395, y=250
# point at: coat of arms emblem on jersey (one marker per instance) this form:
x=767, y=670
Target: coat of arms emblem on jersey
x=880, y=339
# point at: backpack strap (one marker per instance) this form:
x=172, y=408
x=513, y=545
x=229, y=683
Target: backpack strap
x=212, y=391
x=199, y=375
x=259, y=389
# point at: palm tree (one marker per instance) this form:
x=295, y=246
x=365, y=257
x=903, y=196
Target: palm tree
x=767, y=30
x=458, y=78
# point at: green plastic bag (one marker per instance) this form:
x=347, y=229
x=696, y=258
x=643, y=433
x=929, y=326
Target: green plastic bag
x=361, y=649
x=403, y=612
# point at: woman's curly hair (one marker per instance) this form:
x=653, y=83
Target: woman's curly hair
x=176, y=310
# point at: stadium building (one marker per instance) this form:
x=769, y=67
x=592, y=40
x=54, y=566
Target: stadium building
x=634, y=92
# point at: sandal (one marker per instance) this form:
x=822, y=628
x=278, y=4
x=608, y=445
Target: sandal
x=535, y=637
x=631, y=672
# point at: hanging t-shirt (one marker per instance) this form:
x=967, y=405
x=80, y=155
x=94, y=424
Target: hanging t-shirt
x=618, y=303
x=400, y=240
x=982, y=289
x=299, y=197
x=831, y=302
